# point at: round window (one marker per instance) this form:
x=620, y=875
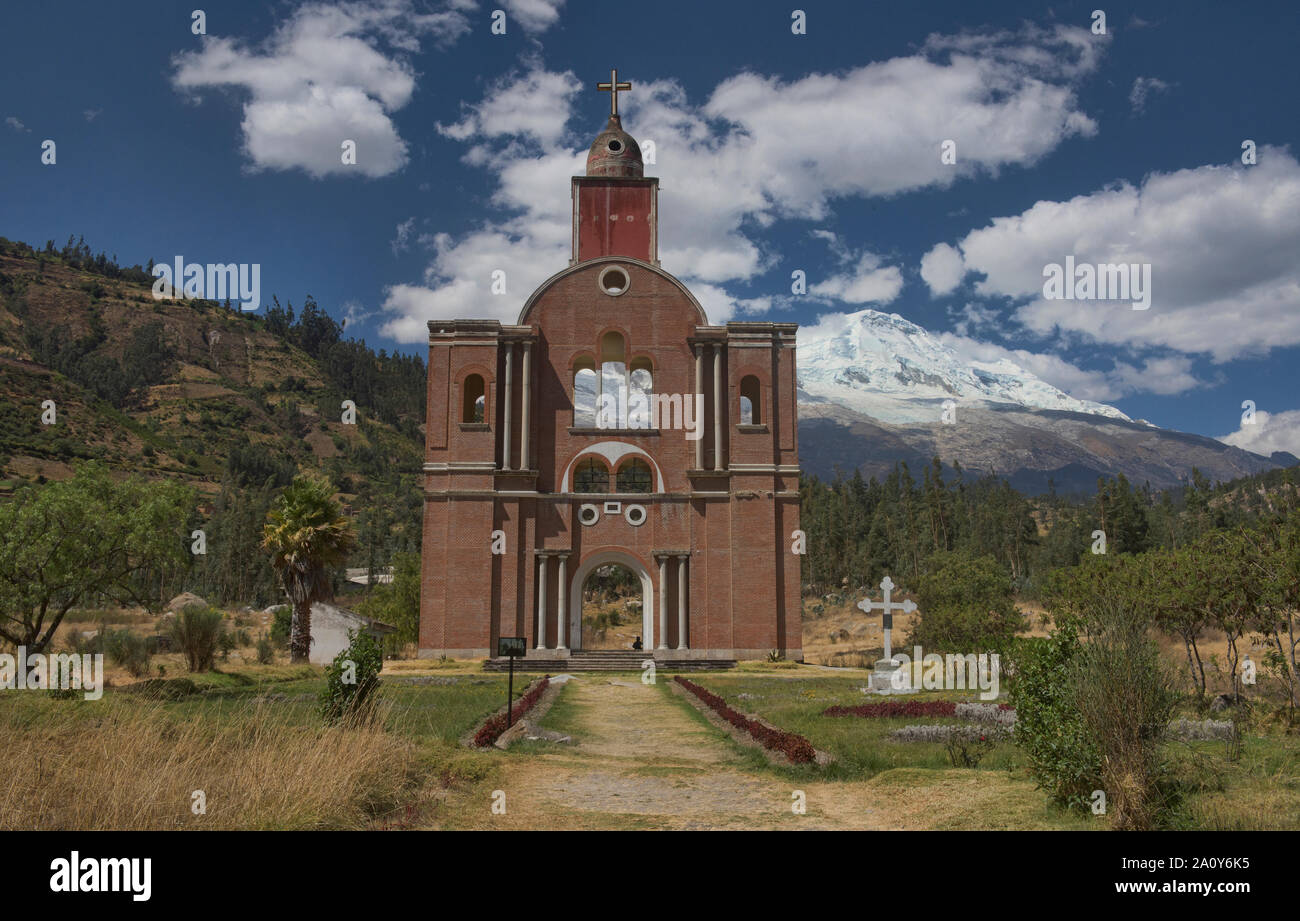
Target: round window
x=588, y=514
x=614, y=280
x=615, y=146
x=635, y=515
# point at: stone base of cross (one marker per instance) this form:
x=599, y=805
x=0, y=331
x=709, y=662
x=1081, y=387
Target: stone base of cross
x=884, y=679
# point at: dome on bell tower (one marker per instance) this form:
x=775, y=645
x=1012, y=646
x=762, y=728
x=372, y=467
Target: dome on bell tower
x=615, y=153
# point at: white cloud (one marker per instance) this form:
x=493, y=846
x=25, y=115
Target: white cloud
x=942, y=269
x=720, y=305
x=972, y=318
x=1163, y=375
x=1143, y=87
x=536, y=107
x=1006, y=99
x=1270, y=432
x=402, y=238
x=328, y=73
x=757, y=150
x=17, y=125
x=867, y=282
x=1221, y=241
x=534, y=15
x=354, y=314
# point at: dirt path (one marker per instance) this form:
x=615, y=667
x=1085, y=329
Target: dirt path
x=641, y=760
x=638, y=761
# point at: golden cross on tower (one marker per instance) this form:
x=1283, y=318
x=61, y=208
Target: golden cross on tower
x=613, y=87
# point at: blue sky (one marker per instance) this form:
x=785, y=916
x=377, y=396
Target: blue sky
x=817, y=152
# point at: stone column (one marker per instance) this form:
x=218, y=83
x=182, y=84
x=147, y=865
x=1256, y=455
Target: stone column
x=541, y=601
x=663, y=602
x=562, y=619
x=505, y=428
x=717, y=406
x=699, y=423
x=681, y=600
x=524, y=414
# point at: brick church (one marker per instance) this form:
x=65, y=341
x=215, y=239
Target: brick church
x=613, y=424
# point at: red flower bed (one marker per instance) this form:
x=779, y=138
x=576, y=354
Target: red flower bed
x=886, y=708
x=490, y=731
x=795, y=747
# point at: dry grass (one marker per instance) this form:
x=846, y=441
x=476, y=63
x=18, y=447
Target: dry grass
x=415, y=666
x=619, y=637
x=134, y=765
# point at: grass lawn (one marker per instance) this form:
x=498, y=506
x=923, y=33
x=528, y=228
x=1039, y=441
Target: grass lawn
x=1257, y=788
x=860, y=746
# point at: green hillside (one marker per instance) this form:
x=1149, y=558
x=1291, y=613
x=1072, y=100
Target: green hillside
x=199, y=392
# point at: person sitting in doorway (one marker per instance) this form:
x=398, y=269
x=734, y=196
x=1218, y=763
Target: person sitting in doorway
x=637, y=644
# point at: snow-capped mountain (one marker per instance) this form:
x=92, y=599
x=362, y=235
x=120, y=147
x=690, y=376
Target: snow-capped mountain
x=892, y=370
x=872, y=389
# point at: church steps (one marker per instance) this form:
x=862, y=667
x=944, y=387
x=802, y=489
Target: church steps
x=608, y=660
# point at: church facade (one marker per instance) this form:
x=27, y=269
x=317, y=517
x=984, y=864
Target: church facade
x=611, y=424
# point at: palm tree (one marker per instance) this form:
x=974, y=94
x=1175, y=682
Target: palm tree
x=308, y=538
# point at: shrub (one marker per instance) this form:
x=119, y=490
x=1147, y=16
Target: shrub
x=86, y=645
x=1124, y=693
x=1063, y=758
x=992, y=714
x=281, y=624
x=965, y=605
x=892, y=708
x=352, y=679
x=967, y=749
x=491, y=730
x=398, y=602
x=128, y=650
x=164, y=688
x=795, y=747
x=197, y=632
x=265, y=650
x=1203, y=730
x=967, y=745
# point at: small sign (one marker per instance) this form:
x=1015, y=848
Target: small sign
x=514, y=647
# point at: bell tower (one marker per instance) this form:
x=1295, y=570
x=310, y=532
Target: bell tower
x=560, y=444
x=615, y=206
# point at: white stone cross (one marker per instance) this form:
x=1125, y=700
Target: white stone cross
x=888, y=607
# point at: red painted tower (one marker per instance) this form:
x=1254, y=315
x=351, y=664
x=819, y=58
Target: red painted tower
x=615, y=208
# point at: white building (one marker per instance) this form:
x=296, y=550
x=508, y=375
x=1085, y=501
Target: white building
x=329, y=630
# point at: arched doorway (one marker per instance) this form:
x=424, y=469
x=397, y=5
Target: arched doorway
x=589, y=566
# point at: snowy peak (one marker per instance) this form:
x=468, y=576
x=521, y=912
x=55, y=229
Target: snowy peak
x=890, y=369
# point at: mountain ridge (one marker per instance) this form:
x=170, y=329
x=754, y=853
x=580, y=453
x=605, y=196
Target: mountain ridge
x=876, y=388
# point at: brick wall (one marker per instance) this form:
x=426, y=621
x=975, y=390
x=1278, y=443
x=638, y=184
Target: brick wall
x=743, y=582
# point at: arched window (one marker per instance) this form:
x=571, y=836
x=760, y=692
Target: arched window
x=612, y=347
x=751, y=401
x=586, y=390
x=612, y=407
x=640, y=393
x=635, y=476
x=591, y=475
x=473, y=399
